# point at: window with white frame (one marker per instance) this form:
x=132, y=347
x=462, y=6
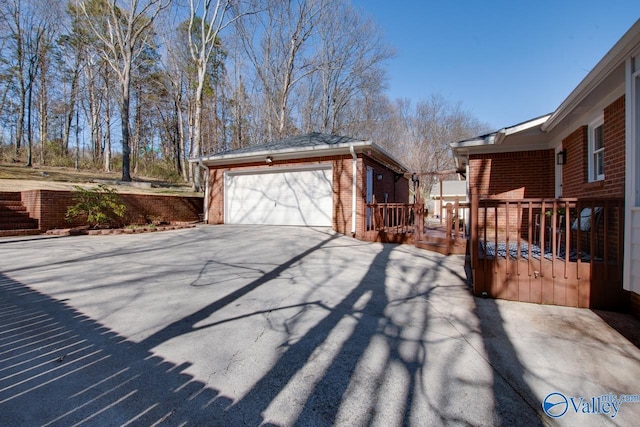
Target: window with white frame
x=596, y=150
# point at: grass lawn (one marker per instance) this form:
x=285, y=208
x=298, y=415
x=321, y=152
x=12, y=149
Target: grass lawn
x=17, y=177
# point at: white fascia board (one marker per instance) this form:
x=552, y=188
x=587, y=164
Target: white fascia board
x=617, y=54
x=478, y=142
x=509, y=148
x=526, y=125
x=286, y=154
x=298, y=153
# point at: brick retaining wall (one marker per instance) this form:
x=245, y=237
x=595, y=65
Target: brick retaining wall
x=50, y=207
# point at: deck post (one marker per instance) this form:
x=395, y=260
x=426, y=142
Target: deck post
x=473, y=237
x=419, y=219
x=449, y=227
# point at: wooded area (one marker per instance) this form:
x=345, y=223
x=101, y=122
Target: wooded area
x=142, y=86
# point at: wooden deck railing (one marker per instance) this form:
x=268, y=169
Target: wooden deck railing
x=571, y=243
x=585, y=228
x=397, y=218
x=456, y=221
x=405, y=223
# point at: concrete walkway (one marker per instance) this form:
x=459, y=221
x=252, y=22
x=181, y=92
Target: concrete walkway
x=224, y=325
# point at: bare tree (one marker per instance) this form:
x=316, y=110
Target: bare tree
x=427, y=131
x=175, y=82
x=351, y=53
x=207, y=19
x=29, y=35
x=277, y=43
x=123, y=34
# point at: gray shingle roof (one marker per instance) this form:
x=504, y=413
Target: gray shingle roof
x=313, y=139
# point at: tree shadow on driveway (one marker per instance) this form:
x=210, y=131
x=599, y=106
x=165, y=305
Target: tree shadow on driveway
x=386, y=351
x=58, y=367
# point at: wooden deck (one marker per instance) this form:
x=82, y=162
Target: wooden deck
x=549, y=251
x=405, y=224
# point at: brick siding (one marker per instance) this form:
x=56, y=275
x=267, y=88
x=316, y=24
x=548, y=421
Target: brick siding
x=516, y=175
x=575, y=174
x=342, y=187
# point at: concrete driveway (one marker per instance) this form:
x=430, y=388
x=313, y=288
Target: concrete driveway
x=224, y=325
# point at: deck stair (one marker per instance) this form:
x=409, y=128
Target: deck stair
x=14, y=217
x=435, y=239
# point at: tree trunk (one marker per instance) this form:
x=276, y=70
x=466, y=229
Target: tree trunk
x=106, y=151
x=197, y=130
x=43, y=107
x=181, y=143
x=29, y=131
x=71, y=108
x=20, y=123
x=137, y=120
x=125, y=105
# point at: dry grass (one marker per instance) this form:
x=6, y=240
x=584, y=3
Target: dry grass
x=14, y=177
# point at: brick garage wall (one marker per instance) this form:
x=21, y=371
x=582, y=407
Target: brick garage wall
x=342, y=187
x=50, y=207
x=343, y=195
x=395, y=187
x=575, y=174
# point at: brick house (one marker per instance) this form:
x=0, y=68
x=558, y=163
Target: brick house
x=313, y=180
x=531, y=181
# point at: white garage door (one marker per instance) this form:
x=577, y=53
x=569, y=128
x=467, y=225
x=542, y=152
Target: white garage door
x=299, y=197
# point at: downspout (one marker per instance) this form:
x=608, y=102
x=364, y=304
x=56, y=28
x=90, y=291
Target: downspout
x=206, y=190
x=354, y=190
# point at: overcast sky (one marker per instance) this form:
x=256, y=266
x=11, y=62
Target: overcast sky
x=507, y=61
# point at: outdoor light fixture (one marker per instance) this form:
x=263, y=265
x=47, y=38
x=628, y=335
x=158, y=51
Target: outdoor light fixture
x=561, y=158
x=379, y=176
x=415, y=178
x=269, y=160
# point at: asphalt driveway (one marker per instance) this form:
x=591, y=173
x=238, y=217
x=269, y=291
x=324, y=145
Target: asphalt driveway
x=224, y=325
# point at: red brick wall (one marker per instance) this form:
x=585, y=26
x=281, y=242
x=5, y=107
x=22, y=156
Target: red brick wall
x=396, y=191
x=342, y=187
x=523, y=174
x=575, y=174
x=343, y=195
x=50, y=208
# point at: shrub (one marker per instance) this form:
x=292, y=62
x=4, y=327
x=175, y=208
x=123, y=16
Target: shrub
x=101, y=205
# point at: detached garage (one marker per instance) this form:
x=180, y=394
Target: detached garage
x=315, y=180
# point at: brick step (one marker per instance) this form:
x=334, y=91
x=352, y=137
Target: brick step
x=14, y=215
x=10, y=219
x=433, y=247
x=22, y=232
x=6, y=211
x=4, y=202
x=19, y=225
x=11, y=195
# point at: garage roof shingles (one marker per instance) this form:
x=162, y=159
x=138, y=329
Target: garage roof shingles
x=314, y=139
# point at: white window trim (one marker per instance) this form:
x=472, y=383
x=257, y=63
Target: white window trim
x=590, y=141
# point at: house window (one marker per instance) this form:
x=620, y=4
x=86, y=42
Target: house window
x=596, y=150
